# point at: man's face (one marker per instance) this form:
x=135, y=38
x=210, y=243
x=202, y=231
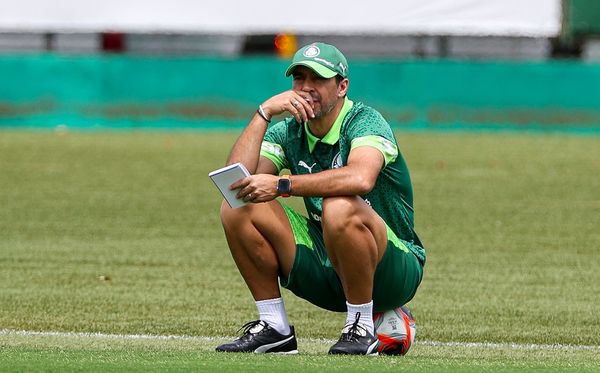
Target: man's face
x=321, y=93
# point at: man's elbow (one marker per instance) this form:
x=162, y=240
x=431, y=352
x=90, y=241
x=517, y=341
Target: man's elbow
x=364, y=185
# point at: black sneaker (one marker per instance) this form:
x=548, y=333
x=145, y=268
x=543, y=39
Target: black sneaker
x=259, y=337
x=355, y=340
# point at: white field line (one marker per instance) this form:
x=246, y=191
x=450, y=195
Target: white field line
x=484, y=345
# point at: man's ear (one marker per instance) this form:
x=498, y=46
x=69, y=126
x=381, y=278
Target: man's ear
x=343, y=87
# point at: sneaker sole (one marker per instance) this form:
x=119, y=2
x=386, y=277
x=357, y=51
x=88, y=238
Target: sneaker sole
x=371, y=351
x=293, y=352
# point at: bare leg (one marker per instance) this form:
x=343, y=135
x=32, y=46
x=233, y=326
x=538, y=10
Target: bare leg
x=262, y=245
x=355, y=238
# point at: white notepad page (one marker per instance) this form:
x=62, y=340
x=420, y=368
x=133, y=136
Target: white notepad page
x=224, y=177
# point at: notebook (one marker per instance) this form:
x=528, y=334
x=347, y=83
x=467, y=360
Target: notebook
x=224, y=177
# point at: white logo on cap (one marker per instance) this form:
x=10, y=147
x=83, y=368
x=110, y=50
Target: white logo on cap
x=325, y=62
x=343, y=67
x=312, y=51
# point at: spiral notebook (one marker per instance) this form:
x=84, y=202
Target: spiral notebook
x=224, y=177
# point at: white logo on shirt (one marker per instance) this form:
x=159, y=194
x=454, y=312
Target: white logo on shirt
x=309, y=168
x=337, y=161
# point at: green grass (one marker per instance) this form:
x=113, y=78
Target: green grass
x=510, y=222
x=59, y=353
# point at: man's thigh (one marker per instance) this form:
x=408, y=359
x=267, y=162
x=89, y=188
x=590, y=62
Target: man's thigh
x=397, y=276
x=313, y=277
x=250, y=225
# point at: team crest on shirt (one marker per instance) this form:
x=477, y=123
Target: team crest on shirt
x=337, y=161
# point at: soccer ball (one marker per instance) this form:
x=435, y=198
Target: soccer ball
x=395, y=330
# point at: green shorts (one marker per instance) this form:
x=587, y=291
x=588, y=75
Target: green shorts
x=313, y=277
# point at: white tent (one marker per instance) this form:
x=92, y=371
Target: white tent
x=534, y=18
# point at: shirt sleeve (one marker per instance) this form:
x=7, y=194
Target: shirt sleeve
x=273, y=145
x=385, y=146
x=370, y=129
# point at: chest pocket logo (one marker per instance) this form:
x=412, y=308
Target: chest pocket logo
x=305, y=165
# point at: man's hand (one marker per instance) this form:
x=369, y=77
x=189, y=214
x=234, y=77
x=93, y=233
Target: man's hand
x=257, y=188
x=297, y=103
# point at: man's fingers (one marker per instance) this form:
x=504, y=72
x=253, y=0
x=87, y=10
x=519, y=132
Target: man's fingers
x=306, y=104
x=298, y=103
x=297, y=110
x=301, y=110
x=242, y=183
x=245, y=194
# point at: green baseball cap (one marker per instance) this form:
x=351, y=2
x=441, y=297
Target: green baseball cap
x=324, y=59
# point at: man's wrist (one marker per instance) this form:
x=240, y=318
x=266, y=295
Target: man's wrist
x=261, y=112
x=284, y=186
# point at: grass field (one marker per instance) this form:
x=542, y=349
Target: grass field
x=118, y=234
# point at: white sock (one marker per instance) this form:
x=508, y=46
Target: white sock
x=366, y=315
x=272, y=311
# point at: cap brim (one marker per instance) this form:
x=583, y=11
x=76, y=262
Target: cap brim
x=321, y=70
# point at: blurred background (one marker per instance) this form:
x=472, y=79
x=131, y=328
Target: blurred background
x=448, y=64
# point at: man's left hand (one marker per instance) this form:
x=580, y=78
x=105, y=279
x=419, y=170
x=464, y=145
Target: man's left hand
x=257, y=188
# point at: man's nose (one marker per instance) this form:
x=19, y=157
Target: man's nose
x=307, y=86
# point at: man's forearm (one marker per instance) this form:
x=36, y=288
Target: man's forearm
x=246, y=149
x=338, y=182
x=358, y=177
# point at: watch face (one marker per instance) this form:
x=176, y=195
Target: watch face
x=283, y=186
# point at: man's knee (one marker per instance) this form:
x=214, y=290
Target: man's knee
x=340, y=213
x=227, y=213
x=262, y=217
x=235, y=217
x=347, y=215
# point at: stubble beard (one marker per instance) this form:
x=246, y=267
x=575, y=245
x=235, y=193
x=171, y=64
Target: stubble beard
x=324, y=111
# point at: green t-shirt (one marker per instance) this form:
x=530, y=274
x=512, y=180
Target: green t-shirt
x=290, y=145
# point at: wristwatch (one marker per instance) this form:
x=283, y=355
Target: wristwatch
x=284, y=186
